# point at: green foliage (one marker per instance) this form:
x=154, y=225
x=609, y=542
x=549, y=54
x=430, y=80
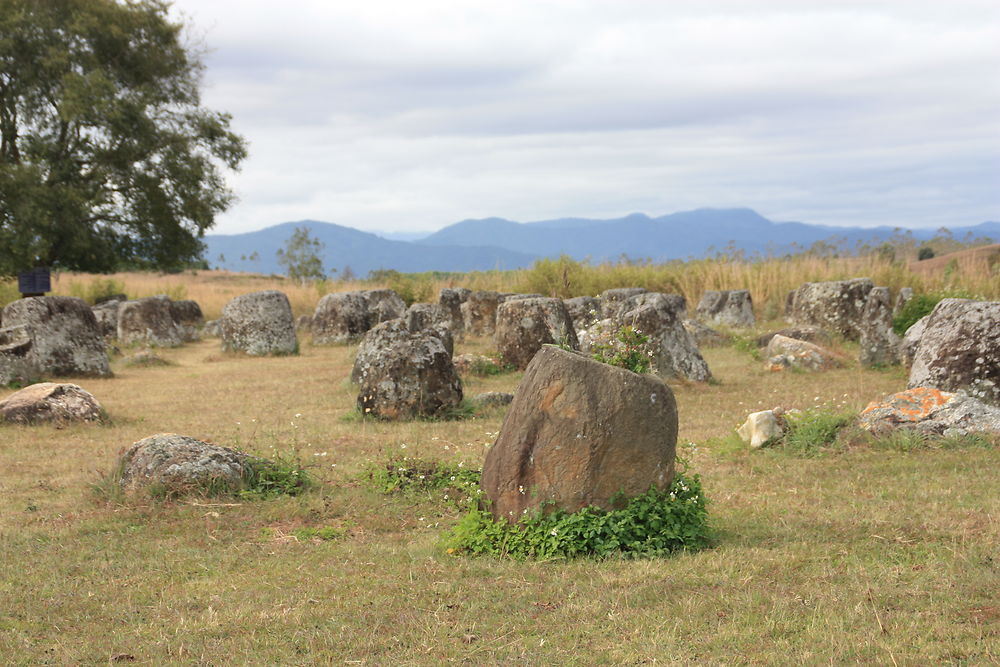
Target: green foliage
x=266, y=479
x=747, y=343
x=653, y=524
x=628, y=348
x=925, y=252
x=98, y=288
x=813, y=429
x=321, y=533
x=920, y=305
x=406, y=474
x=107, y=158
x=486, y=367
x=301, y=256
x=411, y=287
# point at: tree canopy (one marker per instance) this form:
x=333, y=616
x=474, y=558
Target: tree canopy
x=107, y=157
x=302, y=256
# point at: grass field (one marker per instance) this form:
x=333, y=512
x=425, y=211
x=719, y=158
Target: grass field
x=864, y=555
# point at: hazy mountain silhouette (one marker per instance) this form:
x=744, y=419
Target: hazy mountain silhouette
x=499, y=243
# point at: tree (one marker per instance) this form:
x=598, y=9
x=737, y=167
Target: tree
x=301, y=256
x=107, y=159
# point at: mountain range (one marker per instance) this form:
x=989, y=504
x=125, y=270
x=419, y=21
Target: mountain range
x=497, y=243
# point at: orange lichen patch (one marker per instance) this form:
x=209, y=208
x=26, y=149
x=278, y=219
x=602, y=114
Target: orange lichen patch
x=912, y=405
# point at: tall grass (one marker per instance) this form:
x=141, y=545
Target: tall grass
x=768, y=280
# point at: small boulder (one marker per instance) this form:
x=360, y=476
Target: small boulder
x=259, y=323
x=175, y=465
x=911, y=340
x=580, y=433
x=451, y=300
x=51, y=402
x=612, y=300
x=960, y=349
x=805, y=332
x=382, y=305
x=63, y=333
x=705, y=336
x=761, y=428
x=525, y=325
x=212, y=329
x=675, y=352
x=786, y=353
x=727, y=308
x=106, y=314
x=931, y=412
x=403, y=374
x=902, y=297
x=583, y=310
x=835, y=305
x=479, y=313
x=145, y=359
x=426, y=315
x=878, y=343
x=492, y=399
x=16, y=361
x=387, y=335
x=340, y=317
x=149, y=321
x=188, y=318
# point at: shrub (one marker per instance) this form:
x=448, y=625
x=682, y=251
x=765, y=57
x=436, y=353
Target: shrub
x=653, y=524
x=406, y=474
x=628, y=348
x=925, y=252
x=920, y=305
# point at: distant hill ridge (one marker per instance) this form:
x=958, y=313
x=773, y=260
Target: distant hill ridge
x=498, y=243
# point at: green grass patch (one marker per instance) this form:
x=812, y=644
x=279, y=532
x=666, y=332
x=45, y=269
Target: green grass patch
x=270, y=478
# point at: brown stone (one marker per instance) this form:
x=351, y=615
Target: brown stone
x=51, y=402
x=525, y=325
x=580, y=433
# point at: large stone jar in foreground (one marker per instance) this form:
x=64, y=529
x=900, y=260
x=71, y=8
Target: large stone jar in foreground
x=580, y=433
x=259, y=323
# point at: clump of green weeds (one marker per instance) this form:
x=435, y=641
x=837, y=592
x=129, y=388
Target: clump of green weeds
x=407, y=474
x=269, y=478
x=920, y=305
x=654, y=524
x=748, y=345
x=809, y=431
x=626, y=348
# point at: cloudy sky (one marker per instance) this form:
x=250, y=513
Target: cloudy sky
x=400, y=115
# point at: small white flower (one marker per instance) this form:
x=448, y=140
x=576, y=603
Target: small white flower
x=553, y=532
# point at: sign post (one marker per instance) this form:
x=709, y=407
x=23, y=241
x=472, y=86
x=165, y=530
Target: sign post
x=34, y=283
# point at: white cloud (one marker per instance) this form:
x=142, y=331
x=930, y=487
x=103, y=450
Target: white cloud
x=402, y=115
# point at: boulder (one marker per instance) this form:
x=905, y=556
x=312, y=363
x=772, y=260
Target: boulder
x=878, y=343
x=451, y=299
x=16, y=361
x=705, y=336
x=51, y=402
x=174, y=465
x=403, y=374
x=911, y=340
x=479, y=313
x=836, y=305
x=762, y=427
x=259, y=323
x=148, y=321
x=106, y=314
x=188, y=318
x=727, y=308
x=785, y=353
x=902, y=297
x=492, y=399
x=525, y=325
x=212, y=329
x=611, y=300
x=960, y=349
x=583, y=310
x=598, y=334
x=145, y=359
x=931, y=412
x=64, y=338
x=807, y=333
x=382, y=305
x=675, y=352
x=580, y=433
x=101, y=300
x=387, y=335
x=426, y=315
x=340, y=317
